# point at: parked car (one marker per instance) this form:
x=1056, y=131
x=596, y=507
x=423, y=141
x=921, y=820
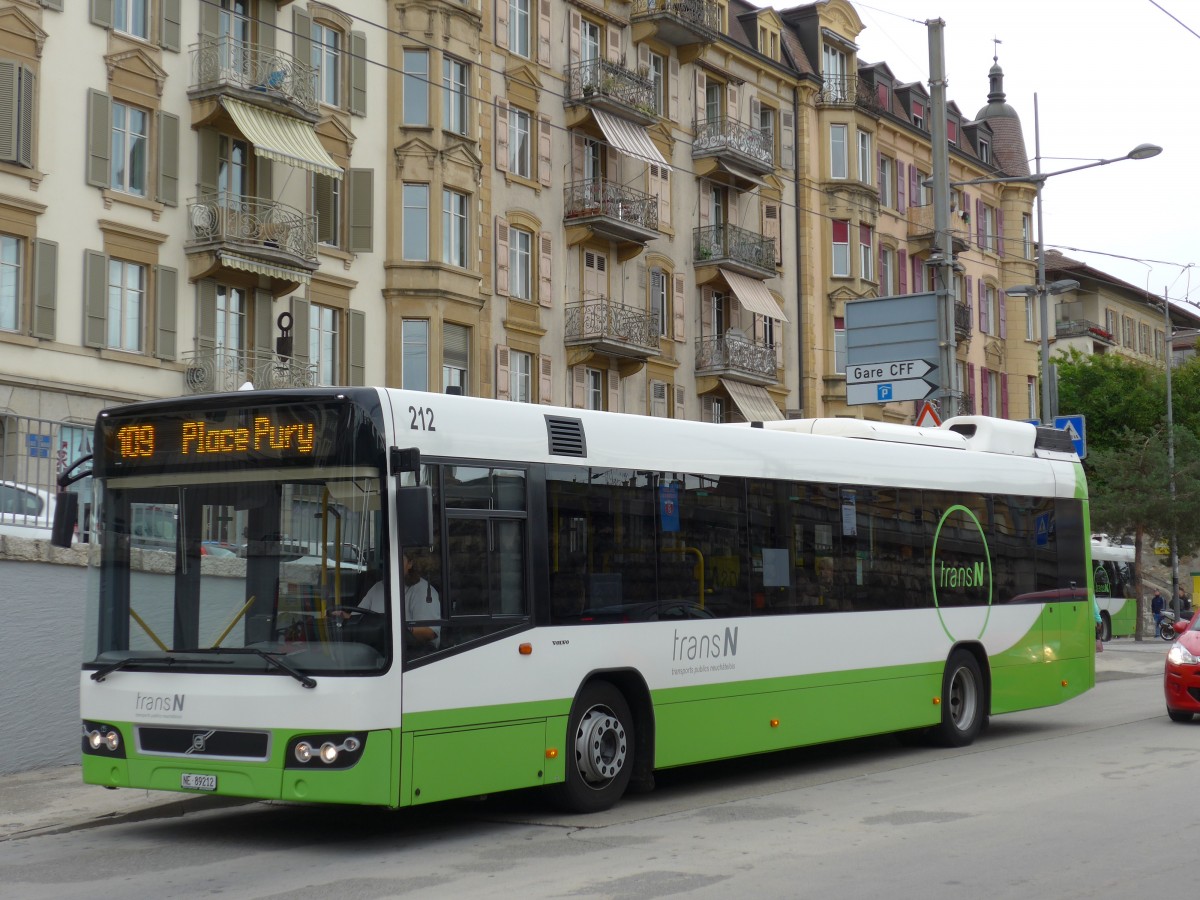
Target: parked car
x=25, y=511
x=1181, y=679
x=216, y=548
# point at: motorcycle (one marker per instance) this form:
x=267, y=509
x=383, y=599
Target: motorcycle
x=1166, y=625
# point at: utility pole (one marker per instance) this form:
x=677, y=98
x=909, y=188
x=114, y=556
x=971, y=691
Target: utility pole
x=941, y=261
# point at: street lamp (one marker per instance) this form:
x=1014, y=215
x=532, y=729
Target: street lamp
x=1037, y=179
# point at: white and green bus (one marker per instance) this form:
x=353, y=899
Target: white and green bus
x=558, y=598
x=1113, y=581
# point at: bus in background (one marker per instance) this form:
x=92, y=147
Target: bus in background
x=560, y=598
x=1113, y=579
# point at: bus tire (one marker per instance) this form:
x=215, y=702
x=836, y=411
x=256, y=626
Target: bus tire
x=963, y=707
x=599, y=750
x=1105, y=627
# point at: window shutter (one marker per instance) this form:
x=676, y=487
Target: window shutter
x=95, y=295
x=323, y=208
x=999, y=231
x=545, y=271
x=168, y=159
x=502, y=24
x=207, y=161
x=170, y=31
x=358, y=73
x=544, y=31
x=502, y=388
x=902, y=271
x=705, y=203
x=706, y=311
x=362, y=210
x=771, y=229
x=879, y=164
x=501, y=134
x=102, y=13
x=700, y=83
x=918, y=281
x=614, y=390
x=980, y=225
x=301, y=310
x=545, y=130
x=356, y=348
x=673, y=89
x=575, y=35
x=45, y=288
x=210, y=24
x=1004, y=395
x=206, y=316
x=779, y=345
x=301, y=36
x=266, y=26
x=10, y=110
x=1002, y=304
x=985, y=388
x=99, y=117
x=787, y=139
x=914, y=186
x=732, y=98
x=264, y=327
x=578, y=386
x=166, y=289
x=613, y=48
x=678, y=306
x=900, y=198
x=680, y=402
x=501, y=256
x=970, y=388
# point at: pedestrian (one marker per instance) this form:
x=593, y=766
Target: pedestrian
x=1183, y=605
x=1156, y=607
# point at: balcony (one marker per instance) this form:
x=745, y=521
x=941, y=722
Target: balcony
x=256, y=74
x=962, y=322
x=848, y=91
x=920, y=228
x=605, y=209
x=733, y=248
x=680, y=23
x=611, y=328
x=221, y=369
x=737, y=357
x=727, y=140
x=255, y=235
x=1085, y=329
x=601, y=84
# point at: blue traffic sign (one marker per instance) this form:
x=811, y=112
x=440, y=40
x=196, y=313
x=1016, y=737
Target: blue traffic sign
x=1075, y=427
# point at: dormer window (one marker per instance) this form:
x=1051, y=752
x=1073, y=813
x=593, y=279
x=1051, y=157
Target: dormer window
x=918, y=114
x=985, y=151
x=952, y=132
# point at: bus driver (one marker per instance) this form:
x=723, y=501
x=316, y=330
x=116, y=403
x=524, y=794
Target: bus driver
x=421, y=603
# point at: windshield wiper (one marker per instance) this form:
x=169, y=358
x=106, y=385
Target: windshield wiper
x=271, y=659
x=104, y=671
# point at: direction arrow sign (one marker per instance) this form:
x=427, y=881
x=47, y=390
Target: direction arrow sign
x=888, y=371
x=889, y=391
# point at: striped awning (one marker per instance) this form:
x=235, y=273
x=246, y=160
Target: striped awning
x=630, y=139
x=753, y=401
x=740, y=173
x=754, y=295
x=284, y=139
x=284, y=273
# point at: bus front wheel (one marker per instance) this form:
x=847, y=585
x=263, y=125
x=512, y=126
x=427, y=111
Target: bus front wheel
x=963, y=711
x=600, y=742
x=1105, y=627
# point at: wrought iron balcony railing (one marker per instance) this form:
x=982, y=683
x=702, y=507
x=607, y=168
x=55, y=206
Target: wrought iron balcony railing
x=601, y=320
x=1083, y=328
x=732, y=352
x=847, y=90
x=601, y=197
x=962, y=320
x=702, y=14
x=226, y=61
x=601, y=79
x=253, y=224
x=724, y=134
x=223, y=369
x=716, y=243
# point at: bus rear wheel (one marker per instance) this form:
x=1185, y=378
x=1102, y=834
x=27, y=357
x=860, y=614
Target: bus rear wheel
x=600, y=742
x=1105, y=627
x=963, y=711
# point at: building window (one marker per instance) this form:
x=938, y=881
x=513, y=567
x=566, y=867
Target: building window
x=990, y=239
x=841, y=248
x=1030, y=328
x=768, y=332
x=132, y=17
x=414, y=355
x=16, y=98
x=923, y=189
x=952, y=131
x=518, y=142
x=716, y=410
x=454, y=82
x=866, y=254
x=520, y=376
x=520, y=263
x=126, y=305
x=11, y=253
x=130, y=141
x=323, y=343
x=416, y=87
x=865, y=162
x=887, y=193
x=416, y=221
x=766, y=128
x=518, y=27
x=594, y=389
x=887, y=269
x=985, y=152
x=658, y=76
x=838, y=161
x=456, y=354
x=918, y=114
x=1026, y=236
x=327, y=60
x=233, y=158
x=327, y=204
x=714, y=94
x=659, y=304
x=833, y=69
x=839, y=345
x=454, y=228
x=1031, y=396
x=231, y=320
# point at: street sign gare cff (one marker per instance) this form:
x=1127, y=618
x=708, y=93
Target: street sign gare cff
x=890, y=342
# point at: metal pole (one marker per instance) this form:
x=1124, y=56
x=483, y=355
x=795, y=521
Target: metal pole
x=1171, y=446
x=944, y=240
x=1048, y=411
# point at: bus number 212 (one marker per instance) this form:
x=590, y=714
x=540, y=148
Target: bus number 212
x=422, y=418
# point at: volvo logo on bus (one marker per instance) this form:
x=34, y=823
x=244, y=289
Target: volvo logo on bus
x=961, y=570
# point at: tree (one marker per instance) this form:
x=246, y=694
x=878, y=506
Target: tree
x=1114, y=393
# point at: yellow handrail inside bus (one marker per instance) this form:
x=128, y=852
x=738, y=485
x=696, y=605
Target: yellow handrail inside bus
x=146, y=628
x=228, y=628
x=699, y=565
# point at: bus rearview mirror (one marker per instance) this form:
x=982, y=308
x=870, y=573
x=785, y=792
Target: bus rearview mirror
x=66, y=515
x=414, y=516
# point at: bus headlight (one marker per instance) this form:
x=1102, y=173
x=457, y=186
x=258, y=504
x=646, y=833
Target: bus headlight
x=102, y=740
x=335, y=751
x=303, y=752
x=329, y=753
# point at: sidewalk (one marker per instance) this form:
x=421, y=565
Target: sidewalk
x=46, y=801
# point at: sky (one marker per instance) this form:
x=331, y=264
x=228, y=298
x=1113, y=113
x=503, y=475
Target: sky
x=1109, y=75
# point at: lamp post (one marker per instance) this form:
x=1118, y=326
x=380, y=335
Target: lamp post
x=1037, y=179
x=1171, y=335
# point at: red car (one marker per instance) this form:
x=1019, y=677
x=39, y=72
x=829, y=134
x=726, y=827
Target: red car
x=1181, y=680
